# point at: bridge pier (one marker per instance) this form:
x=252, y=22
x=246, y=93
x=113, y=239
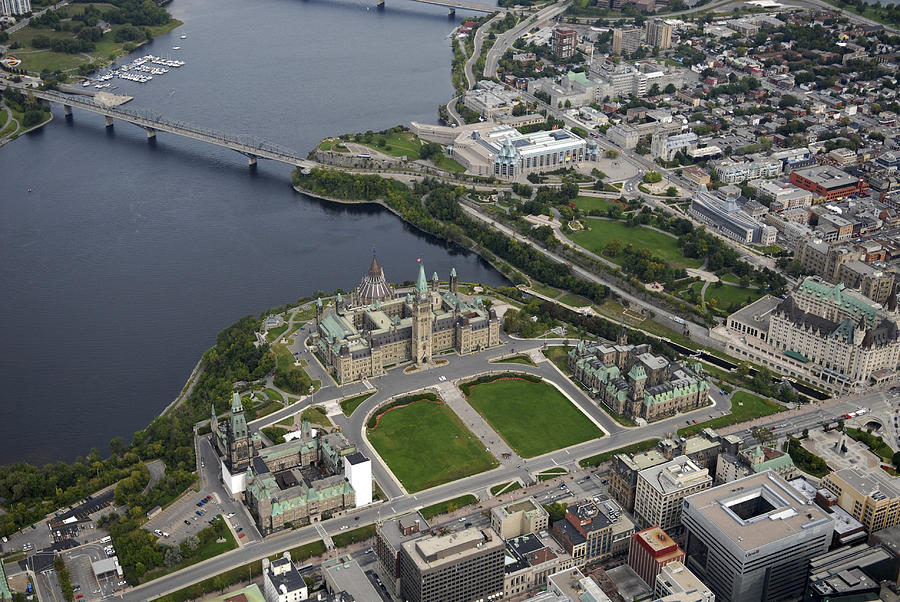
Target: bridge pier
x=151, y=134
x=451, y=12
x=379, y=4
x=67, y=110
x=108, y=120
x=251, y=160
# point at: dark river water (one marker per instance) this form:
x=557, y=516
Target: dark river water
x=126, y=258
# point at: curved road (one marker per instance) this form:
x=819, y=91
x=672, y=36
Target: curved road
x=506, y=39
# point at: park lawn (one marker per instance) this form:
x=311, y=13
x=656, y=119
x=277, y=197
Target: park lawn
x=729, y=277
x=45, y=60
x=744, y=406
x=4, y=116
x=400, y=143
x=451, y=164
x=345, y=538
x=559, y=356
x=447, y=506
x=307, y=313
x=515, y=359
x=316, y=415
x=348, y=406
x=425, y=429
x=574, y=300
x=873, y=442
x=533, y=418
x=602, y=231
x=728, y=295
x=335, y=145
x=592, y=203
x=276, y=332
x=640, y=446
x=273, y=395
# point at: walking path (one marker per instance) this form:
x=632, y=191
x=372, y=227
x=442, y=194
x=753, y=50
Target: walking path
x=453, y=397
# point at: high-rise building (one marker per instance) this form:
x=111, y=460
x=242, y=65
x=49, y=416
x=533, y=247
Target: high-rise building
x=661, y=489
x=659, y=34
x=870, y=498
x=565, y=42
x=651, y=550
x=626, y=40
x=14, y=7
x=465, y=565
x=752, y=539
x=593, y=530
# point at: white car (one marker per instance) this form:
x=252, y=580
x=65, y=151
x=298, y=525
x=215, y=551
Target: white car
x=344, y=527
x=229, y=515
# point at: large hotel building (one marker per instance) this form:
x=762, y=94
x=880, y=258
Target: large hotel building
x=827, y=334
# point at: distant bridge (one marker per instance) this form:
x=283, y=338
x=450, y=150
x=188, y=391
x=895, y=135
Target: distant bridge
x=460, y=4
x=250, y=146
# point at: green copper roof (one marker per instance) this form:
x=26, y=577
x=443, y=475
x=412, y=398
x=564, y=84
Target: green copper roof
x=421, y=281
x=453, y=272
x=236, y=405
x=837, y=295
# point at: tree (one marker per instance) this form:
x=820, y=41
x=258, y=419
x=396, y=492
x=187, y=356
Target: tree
x=613, y=247
x=173, y=556
x=654, y=90
x=671, y=191
x=895, y=460
x=652, y=177
x=763, y=435
x=670, y=89
x=611, y=153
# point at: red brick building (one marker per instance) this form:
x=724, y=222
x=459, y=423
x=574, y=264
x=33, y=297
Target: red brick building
x=828, y=182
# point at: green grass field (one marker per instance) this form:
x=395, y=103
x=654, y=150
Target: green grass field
x=400, y=143
x=275, y=434
x=284, y=364
x=447, y=506
x=316, y=415
x=574, y=300
x=591, y=203
x=744, y=406
x=276, y=332
x=533, y=418
x=551, y=473
x=728, y=294
x=404, y=436
x=348, y=406
x=602, y=231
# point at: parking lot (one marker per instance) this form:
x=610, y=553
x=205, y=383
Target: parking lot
x=79, y=562
x=183, y=519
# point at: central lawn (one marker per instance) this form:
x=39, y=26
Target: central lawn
x=574, y=300
x=533, y=418
x=744, y=406
x=400, y=143
x=602, y=231
x=408, y=436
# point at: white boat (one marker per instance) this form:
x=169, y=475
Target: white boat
x=176, y=47
x=184, y=36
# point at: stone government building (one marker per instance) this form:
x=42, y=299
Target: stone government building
x=635, y=383
x=380, y=329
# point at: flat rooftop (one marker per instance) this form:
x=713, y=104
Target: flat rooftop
x=828, y=177
x=656, y=539
x=756, y=510
x=757, y=313
x=345, y=575
x=432, y=552
x=872, y=484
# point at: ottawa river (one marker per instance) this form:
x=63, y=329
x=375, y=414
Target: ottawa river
x=127, y=258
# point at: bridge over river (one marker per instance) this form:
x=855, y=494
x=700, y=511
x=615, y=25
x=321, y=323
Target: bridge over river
x=250, y=146
x=452, y=5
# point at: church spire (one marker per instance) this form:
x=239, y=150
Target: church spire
x=236, y=405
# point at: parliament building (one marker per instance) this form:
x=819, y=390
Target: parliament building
x=379, y=329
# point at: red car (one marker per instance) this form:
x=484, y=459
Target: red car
x=79, y=596
x=241, y=535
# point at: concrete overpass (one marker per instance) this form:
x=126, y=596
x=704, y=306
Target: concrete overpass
x=250, y=146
